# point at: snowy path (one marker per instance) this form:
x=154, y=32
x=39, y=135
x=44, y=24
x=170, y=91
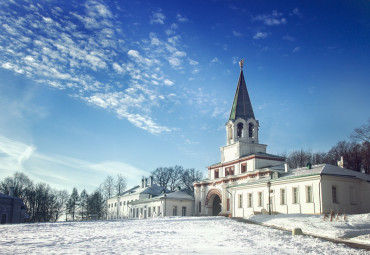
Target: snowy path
x=205, y=235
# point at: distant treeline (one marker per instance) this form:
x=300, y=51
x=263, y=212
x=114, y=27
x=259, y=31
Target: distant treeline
x=355, y=153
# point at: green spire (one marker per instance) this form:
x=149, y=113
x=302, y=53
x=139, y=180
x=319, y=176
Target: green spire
x=242, y=106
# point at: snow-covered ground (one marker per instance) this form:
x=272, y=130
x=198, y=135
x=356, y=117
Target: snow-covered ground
x=352, y=228
x=200, y=235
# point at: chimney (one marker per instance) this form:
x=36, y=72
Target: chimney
x=146, y=182
x=341, y=162
x=286, y=167
x=151, y=181
x=11, y=191
x=142, y=182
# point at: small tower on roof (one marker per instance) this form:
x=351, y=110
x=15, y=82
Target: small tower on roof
x=242, y=125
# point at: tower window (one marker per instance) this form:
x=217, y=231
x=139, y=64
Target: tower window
x=240, y=130
x=250, y=130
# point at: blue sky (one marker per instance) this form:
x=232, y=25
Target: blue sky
x=91, y=88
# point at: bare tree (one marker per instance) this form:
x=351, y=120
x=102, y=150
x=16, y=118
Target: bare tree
x=362, y=133
x=175, y=173
x=83, y=204
x=61, y=201
x=121, y=184
x=190, y=176
x=108, y=187
x=72, y=203
x=161, y=176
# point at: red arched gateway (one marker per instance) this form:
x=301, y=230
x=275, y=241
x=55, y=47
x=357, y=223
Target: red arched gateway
x=213, y=192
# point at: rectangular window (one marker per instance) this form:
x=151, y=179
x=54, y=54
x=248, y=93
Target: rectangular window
x=174, y=211
x=282, y=197
x=260, y=202
x=183, y=211
x=159, y=211
x=200, y=206
x=295, y=195
x=228, y=204
x=308, y=194
x=334, y=194
x=217, y=174
x=249, y=199
x=240, y=204
x=120, y=203
x=244, y=168
x=149, y=211
x=137, y=212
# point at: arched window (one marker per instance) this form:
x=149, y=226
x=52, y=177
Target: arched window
x=250, y=130
x=240, y=130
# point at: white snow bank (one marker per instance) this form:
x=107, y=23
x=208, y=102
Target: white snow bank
x=174, y=235
x=353, y=228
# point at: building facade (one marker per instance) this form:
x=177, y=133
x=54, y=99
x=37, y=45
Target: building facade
x=12, y=209
x=149, y=200
x=249, y=180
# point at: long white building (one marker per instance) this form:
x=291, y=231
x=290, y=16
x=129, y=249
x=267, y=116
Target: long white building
x=149, y=200
x=248, y=180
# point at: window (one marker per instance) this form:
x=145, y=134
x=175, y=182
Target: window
x=120, y=203
x=137, y=212
x=217, y=174
x=240, y=204
x=174, y=211
x=228, y=204
x=282, y=197
x=250, y=130
x=183, y=211
x=295, y=195
x=240, y=130
x=115, y=204
x=159, y=210
x=229, y=171
x=260, y=202
x=149, y=211
x=200, y=206
x=308, y=194
x=334, y=194
x=124, y=202
x=249, y=199
x=244, y=168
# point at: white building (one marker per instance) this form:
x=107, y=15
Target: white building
x=249, y=180
x=149, y=200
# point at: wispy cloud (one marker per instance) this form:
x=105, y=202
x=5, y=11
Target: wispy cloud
x=181, y=18
x=260, y=35
x=19, y=156
x=215, y=60
x=237, y=34
x=158, y=18
x=296, y=49
x=69, y=50
x=273, y=19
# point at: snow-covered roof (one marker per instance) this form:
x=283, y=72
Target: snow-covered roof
x=153, y=190
x=325, y=169
x=176, y=195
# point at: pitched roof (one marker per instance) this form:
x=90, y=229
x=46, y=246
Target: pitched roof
x=242, y=106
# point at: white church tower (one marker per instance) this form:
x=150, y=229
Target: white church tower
x=243, y=158
x=242, y=127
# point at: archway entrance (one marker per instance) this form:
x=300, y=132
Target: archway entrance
x=216, y=205
x=213, y=202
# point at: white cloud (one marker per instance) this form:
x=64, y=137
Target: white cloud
x=235, y=33
x=296, y=12
x=168, y=82
x=260, y=35
x=181, y=18
x=215, y=60
x=276, y=18
x=193, y=62
x=157, y=18
x=296, y=49
x=118, y=68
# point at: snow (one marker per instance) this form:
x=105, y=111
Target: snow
x=352, y=228
x=175, y=235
